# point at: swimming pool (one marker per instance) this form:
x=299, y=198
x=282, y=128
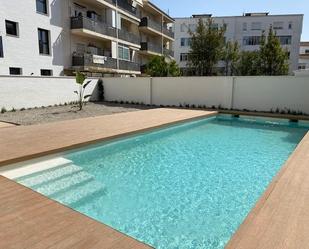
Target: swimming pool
x=187, y=186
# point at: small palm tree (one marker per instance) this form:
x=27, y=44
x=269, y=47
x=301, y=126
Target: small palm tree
x=80, y=80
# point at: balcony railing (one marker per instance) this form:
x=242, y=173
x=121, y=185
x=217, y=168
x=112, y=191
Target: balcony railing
x=124, y=4
x=148, y=46
x=127, y=36
x=90, y=60
x=129, y=66
x=147, y=22
x=168, y=52
x=168, y=32
x=81, y=22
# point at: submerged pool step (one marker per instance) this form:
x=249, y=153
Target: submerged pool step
x=62, y=184
x=37, y=179
x=76, y=194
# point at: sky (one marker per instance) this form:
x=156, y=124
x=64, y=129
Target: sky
x=185, y=8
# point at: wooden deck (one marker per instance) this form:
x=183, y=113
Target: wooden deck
x=30, y=220
x=27, y=142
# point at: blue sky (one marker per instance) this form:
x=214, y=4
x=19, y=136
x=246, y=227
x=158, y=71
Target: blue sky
x=184, y=8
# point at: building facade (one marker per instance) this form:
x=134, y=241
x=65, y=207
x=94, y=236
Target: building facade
x=99, y=37
x=303, y=62
x=246, y=30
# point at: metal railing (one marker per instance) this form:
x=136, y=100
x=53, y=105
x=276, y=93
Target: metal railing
x=89, y=60
x=168, y=32
x=169, y=52
x=147, y=22
x=148, y=46
x=81, y=22
x=127, y=36
x=129, y=66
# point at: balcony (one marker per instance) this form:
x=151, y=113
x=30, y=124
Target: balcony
x=91, y=62
x=127, y=36
x=81, y=22
x=124, y=5
x=168, y=32
x=94, y=61
x=151, y=47
x=168, y=52
x=129, y=66
x=147, y=22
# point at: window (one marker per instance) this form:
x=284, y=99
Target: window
x=256, y=26
x=183, y=27
x=43, y=41
x=1, y=47
x=15, y=71
x=184, y=57
x=306, y=51
x=244, y=26
x=185, y=42
x=41, y=6
x=123, y=53
x=278, y=25
x=290, y=25
x=285, y=40
x=11, y=28
x=251, y=40
x=192, y=27
x=46, y=72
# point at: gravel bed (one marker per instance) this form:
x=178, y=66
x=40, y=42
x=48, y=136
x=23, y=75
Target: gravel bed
x=59, y=113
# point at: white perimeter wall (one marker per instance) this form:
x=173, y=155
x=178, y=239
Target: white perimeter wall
x=265, y=93
x=251, y=93
x=28, y=92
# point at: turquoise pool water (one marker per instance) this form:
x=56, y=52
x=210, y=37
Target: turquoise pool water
x=188, y=186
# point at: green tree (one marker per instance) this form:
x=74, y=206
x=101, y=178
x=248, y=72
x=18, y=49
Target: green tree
x=206, y=47
x=159, y=67
x=273, y=58
x=230, y=57
x=249, y=63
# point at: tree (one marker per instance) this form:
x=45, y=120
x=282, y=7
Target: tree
x=80, y=80
x=273, y=58
x=249, y=63
x=158, y=67
x=230, y=57
x=206, y=47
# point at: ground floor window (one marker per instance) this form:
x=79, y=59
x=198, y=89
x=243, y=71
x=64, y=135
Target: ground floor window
x=15, y=71
x=46, y=72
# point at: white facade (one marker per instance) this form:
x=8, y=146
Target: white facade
x=95, y=36
x=245, y=30
x=303, y=62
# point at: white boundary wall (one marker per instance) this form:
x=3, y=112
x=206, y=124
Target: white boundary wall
x=28, y=92
x=250, y=93
x=266, y=93
x=211, y=91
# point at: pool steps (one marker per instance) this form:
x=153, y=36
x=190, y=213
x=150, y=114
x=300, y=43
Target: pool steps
x=58, y=179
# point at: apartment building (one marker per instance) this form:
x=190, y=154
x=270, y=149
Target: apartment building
x=246, y=30
x=99, y=37
x=303, y=62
